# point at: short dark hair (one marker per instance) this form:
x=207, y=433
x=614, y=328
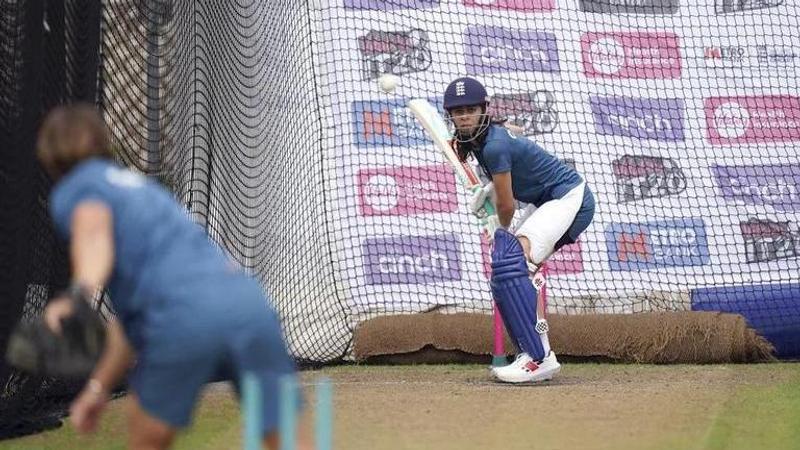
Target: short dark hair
x=70, y=134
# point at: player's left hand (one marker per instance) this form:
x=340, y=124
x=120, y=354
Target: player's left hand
x=57, y=309
x=490, y=224
x=478, y=199
x=65, y=342
x=86, y=409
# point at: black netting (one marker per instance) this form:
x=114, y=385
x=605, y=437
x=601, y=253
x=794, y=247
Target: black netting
x=220, y=101
x=48, y=55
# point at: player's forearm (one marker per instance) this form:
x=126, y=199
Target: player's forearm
x=505, y=213
x=92, y=257
x=116, y=359
x=92, y=246
x=504, y=198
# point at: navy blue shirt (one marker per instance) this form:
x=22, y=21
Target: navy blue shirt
x=536, y=175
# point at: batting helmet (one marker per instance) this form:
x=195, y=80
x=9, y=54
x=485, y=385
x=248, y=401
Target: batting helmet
x=464, y=91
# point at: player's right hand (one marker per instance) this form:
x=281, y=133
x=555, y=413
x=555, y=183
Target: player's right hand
x=56, y=310
x=86, y=409
x=479, y=197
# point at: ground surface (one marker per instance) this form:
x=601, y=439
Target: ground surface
x=590, y=406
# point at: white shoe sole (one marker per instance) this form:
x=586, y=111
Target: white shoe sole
x=548, y=374
x=541, y=375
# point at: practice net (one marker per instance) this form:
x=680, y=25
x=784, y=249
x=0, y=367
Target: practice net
x=265, y=119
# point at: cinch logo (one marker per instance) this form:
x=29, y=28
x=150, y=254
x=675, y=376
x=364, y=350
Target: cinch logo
x=765, y=240
x=393, y=191
x=776, y=185
x=386, y=123
x=640, y=118
x=514, y=5
x=534, y=112
x=742, y=120
x=631, y=55
x=637, y=246
x=395, y=52
x=393, y=4
x=732, y=6
x=630, y=6
x=638, y=177
x=497, y=49
x=412, y=259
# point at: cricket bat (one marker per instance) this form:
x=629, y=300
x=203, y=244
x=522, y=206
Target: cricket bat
x=434, y=124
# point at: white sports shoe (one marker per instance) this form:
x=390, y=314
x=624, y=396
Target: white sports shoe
x=519, y=361
x=525, y=370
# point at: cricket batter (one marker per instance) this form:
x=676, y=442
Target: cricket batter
x=184, y=311
x=562, y=208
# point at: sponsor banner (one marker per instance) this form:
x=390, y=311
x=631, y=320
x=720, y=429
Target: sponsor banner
x=486, y=254
x=394, y=52
x=496, y=49
x=412, y=259
x=639, y=118
x=726, y=56
x=404, y=191
x=777, y=55
x=388, y=190
x=776, y=185
x=733, y=6
x=388, y=123
x=655, y=7
x=744, y=120
x=638, y=177
x=392, y=4
x=513, y=5
x=762, y=57
x=766, y=240
x=534, y=112
x=631, y=55
x=641, y=246
x=568, y=259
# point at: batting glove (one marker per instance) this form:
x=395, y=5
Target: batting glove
x=490, y=223
x=478, y=200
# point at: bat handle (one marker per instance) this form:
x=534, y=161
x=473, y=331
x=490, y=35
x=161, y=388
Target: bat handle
x=491, y=223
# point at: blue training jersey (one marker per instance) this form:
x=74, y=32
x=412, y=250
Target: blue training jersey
x=160, y=255
x=536, y=175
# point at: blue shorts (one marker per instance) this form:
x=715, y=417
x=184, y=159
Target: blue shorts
x=188, y=344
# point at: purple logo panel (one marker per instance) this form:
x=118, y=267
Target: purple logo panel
x=639, y=118
x=385, y=5
x=412, y=259
x=497, y=49
x=774, y=185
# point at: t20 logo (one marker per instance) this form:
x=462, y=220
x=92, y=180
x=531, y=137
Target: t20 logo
x=394, y=52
